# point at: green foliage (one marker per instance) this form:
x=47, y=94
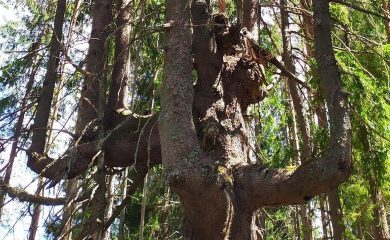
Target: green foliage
x=273, y=120
x=161, y=221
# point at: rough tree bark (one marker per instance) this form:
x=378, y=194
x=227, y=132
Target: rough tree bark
x=212, y=176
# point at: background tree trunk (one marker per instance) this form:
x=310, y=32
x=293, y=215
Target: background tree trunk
x=336, y=214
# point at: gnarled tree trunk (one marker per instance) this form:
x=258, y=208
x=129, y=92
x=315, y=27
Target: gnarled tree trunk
x=204, y=133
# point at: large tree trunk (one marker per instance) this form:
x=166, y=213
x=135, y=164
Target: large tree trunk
x=204, y=142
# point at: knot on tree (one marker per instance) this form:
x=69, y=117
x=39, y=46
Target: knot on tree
x=243, y=73
x=243, y=80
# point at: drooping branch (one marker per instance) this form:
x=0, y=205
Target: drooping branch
x=24, y=196
x=125, y=145
x=268, y=187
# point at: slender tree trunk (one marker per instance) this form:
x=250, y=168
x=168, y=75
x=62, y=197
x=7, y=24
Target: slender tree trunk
x=335, y=209
x=334, y=200
x=380, y=228
x=258, y=226
x=143, y=207
x=39, y=145
x=71, y=184
x=96, y=66
x=135, y=62
x=120, y=75
x=336, y=214
x=32, y=231
x=164, y=214
x=324, y=219
x=69, y=208
x=110, y=204
x=121, y=227
x=297, y=225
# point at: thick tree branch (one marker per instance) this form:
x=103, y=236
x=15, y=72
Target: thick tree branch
x=125, y=145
